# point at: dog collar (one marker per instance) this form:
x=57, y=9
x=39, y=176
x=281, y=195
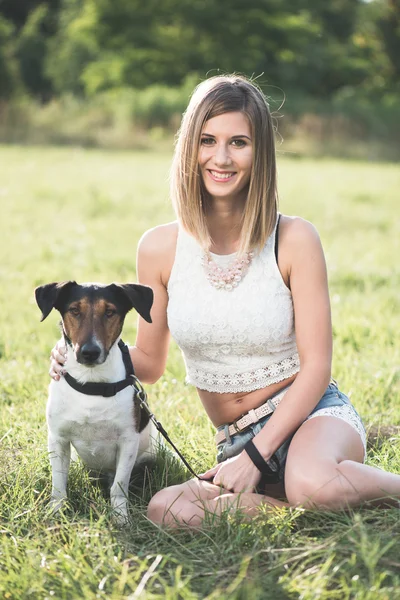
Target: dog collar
x=107, y=389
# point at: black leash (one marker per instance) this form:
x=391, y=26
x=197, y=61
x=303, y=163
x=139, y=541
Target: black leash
x=110, y=389
x=141, y=394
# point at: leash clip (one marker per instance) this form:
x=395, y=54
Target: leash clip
x=142, y=397
x=140, y=392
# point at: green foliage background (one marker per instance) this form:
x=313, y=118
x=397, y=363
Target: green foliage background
x=84, y=46
x=119, y=62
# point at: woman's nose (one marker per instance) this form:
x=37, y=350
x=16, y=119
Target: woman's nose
x=222, y=155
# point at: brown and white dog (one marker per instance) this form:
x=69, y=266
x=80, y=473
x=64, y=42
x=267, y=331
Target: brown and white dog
x=110, y=434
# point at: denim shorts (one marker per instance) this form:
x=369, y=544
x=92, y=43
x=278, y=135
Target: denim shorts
x=331, y=403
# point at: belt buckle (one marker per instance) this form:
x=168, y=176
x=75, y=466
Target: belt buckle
x=235, y=424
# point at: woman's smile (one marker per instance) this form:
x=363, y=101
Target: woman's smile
x=221, y=176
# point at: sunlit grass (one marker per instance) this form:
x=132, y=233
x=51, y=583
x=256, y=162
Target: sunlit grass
x=72, y=213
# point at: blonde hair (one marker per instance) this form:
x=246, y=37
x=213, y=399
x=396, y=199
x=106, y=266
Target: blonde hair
x=211, y=98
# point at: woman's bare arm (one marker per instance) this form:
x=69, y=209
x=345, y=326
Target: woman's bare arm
x=309, y=287
x=155, y=257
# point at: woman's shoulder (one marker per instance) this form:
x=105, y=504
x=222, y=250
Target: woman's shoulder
x=156, y=252
x=159, y=240
x=295, y=231
x=298, y=244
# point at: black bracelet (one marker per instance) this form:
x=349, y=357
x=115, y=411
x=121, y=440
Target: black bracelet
x=269, y=469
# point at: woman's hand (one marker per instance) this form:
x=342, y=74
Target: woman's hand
x=236, y=474
x=57, y=360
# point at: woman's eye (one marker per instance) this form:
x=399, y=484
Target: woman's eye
x=238, y=143
x=207, y=141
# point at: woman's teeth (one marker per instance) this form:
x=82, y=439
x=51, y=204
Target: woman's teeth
x=221, y=175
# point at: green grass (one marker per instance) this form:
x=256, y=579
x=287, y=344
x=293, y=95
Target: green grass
x=72, y=213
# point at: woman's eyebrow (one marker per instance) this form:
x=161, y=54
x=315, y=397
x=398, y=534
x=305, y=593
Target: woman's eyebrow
x=234, y=137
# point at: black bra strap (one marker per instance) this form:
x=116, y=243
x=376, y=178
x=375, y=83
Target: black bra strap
x=277, y=238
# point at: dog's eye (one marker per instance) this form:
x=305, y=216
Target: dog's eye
x=74, y=311
x=110, y=312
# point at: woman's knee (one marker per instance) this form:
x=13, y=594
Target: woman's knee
x=314, y=489
x=173, y=507
x=161, y=505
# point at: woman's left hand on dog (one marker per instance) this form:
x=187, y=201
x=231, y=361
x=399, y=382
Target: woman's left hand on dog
x=57, y=360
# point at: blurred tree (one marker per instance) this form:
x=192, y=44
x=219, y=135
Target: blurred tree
x=332, y=59
x=369, y=42
x=31, y=50
x=34, y=22
x=74, y=46
x=389, y=26
x=9, y=75
x=18, y=11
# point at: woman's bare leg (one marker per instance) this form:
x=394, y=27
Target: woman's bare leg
x=190, y=502
x=324, y=469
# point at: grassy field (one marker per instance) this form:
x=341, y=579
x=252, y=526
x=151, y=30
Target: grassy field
x=71, y=213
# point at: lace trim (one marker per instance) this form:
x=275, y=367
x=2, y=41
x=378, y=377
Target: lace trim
x=245, y=382
x=346, y=413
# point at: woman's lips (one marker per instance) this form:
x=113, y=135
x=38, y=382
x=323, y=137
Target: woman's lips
x=221, y=176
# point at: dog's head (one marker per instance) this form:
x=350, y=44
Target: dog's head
x=93, y=314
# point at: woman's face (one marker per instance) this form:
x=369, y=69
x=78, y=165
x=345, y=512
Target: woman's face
x=226, y=156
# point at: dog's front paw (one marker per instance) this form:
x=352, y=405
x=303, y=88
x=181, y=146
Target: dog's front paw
x=119, y=519
x=57, y=504
x=120, y=516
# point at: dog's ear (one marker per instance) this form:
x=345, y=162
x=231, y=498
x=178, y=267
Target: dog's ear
x=48, y=295
x=139, y=297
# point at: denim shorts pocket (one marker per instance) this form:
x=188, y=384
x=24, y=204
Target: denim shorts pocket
x=227, y=450
x=332, y=397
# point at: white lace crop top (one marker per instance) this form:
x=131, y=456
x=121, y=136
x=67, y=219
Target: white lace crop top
x=232, y=341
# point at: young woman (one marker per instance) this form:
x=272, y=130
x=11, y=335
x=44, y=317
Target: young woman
x=243, y=290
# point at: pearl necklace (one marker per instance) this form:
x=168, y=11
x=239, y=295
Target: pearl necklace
x=229, y=277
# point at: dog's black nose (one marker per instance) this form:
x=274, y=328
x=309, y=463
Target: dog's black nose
x=90, y=352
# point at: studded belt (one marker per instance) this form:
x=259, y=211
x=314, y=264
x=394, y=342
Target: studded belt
x=251, y=417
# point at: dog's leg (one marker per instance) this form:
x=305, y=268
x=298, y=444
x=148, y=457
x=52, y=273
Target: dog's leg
x=59, y=454
x=119, y=490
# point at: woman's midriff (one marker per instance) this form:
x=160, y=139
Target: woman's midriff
x=226, y=408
